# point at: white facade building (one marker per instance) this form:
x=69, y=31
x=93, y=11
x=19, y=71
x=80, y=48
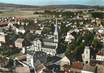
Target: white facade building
x=2, y=38
x=21, y=30
x=99, y=58
x=23, y=50
x=47, y=45
x=86, y=55
x=69, y=37
x=19, y=43
x=38, y=32
x=49, y=48
x=37, y=45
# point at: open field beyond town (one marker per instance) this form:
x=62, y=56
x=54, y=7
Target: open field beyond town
x=26, y=14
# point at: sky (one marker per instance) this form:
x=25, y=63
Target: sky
x=55, y=2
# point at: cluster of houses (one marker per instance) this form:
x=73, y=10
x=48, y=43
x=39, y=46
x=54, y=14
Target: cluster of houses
x=94, y=62
x=42, y=46
x=91, y=63
x=40, y=55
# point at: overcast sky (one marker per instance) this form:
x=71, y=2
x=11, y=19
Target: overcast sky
x=55, y=2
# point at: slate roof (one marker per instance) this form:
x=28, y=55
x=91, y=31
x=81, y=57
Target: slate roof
x=41, y=56
x=51, y=47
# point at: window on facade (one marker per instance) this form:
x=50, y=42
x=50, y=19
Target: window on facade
x=55, y=36
x=86, y=52
x=86, y=62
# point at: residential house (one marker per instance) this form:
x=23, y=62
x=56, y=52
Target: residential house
x=100, y=68
x=100, y=55
x=64, y=61
x=38, y=32
x=22, y=70
x=69, y=37
x=2, y=37
x=19, y=43
x=20, y=30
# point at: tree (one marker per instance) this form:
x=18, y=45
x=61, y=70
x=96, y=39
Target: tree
x=98, y=14
x=76, y=48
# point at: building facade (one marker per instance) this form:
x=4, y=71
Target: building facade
x=2, y=38
x=86, y=55
x=47, y=45
x=19, y=43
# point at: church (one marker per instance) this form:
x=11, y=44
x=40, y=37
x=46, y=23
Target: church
x=48, y=44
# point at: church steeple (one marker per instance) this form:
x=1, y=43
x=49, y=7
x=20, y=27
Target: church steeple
x=56, y=32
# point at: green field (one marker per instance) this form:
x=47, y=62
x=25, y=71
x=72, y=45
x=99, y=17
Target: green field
x=18, y=13
x=27, y=14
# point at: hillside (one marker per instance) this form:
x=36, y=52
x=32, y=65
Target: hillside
x=16, y=6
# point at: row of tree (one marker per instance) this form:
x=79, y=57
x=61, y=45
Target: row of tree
x=82, y=39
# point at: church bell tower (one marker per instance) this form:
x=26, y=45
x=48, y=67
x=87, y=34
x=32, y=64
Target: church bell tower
x=56, y=32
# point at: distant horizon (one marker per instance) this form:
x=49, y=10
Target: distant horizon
x=55, y=2
x=47, y=4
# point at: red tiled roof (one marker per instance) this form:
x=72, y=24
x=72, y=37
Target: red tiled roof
x=3, y=23
x=77, y=65
x=100, y=53
x=39, y=67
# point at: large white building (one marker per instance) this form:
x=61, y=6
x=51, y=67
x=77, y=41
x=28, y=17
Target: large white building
x=86, y=55
x=47, y=45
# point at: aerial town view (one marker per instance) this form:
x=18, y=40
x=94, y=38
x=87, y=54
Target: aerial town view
x=51, y=36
